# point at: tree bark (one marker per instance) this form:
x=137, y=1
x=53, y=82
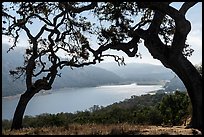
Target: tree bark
x=193, y=83
x=20, y=109
x=185, y=70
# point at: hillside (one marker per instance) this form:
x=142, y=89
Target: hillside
x=10, y=60
x=174, y=84
x=86, y=77
x=147, y=74
x=140, y=73
x=78, y=77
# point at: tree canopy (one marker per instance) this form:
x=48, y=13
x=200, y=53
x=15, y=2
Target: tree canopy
x=65, y=26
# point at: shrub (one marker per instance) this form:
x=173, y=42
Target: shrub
x=174, y=107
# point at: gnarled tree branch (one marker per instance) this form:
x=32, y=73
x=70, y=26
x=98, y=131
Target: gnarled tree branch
x=186, y=6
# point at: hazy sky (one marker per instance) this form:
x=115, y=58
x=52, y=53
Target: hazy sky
x=194, y=39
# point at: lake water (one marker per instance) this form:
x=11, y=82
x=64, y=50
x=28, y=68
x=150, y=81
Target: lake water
x=76, y=99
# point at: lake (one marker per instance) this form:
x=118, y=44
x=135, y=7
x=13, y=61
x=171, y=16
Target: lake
x=76, y=99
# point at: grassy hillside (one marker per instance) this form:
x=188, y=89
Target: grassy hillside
x=110, y=129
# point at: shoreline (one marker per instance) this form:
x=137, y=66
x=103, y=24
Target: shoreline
x=12, y=97
x=44, y=92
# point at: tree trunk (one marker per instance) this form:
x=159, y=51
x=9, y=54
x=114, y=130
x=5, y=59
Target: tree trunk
x=185, y=70
x=193, y=83
x=20, y=109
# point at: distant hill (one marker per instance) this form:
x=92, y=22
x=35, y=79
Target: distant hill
x=147, y=74
x=174, y=84
x=10, y=60
x=140, y=73
x=78, y=77
x=86, y=77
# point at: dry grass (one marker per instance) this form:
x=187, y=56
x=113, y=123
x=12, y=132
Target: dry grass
x=99, y=129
